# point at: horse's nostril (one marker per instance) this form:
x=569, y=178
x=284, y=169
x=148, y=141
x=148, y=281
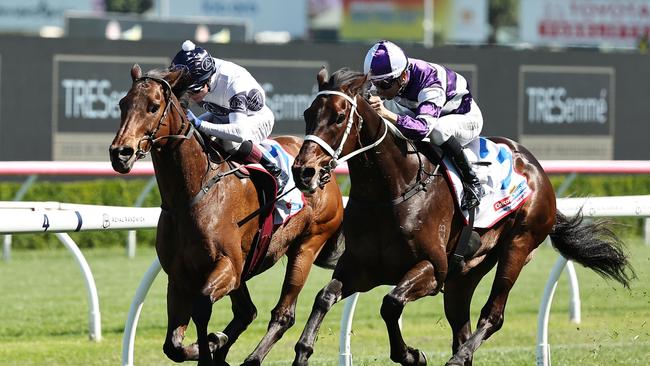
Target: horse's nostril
x=307, y=173
x=122, y=152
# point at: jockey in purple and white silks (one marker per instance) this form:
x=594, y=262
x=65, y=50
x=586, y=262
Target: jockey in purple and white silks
x=235, y=104
x=424, y=99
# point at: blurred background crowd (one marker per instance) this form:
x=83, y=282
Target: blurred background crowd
x=521, y=23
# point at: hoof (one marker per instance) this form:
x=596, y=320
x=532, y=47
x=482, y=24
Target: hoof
x=217, y=340
x=413, y=357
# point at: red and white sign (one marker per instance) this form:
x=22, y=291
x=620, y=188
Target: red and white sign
x=612, y=23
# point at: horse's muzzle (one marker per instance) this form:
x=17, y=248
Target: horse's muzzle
x=305, y=178
x=122, y=158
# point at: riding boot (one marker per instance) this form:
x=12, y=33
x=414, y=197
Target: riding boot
x=472, y=186
x=272, y=167
x=252, y=153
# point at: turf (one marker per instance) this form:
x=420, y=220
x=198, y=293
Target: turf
x=44, y=316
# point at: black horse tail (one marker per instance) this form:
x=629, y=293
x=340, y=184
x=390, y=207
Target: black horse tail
x=332, y=251
x=594, y=245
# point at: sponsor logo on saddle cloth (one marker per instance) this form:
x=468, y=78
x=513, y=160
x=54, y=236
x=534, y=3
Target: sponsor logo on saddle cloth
x=292, y=202
x=505, y=189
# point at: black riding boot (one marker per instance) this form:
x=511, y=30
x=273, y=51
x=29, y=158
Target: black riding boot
x=472, y=186
x=280, y=176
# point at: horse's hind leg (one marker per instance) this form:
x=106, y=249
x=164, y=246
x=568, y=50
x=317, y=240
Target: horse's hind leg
x=179, y=309
x=244, y=312
x=283, y=316
x=510, y=264
x=418, y=282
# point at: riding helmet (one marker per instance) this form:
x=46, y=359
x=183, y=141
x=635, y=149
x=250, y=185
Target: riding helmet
x=198, y=62
x=384, y=60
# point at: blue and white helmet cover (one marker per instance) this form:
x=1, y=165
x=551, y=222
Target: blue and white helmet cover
x=198, y=61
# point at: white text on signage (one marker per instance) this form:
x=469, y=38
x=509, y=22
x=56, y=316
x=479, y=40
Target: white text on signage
x=552, y=105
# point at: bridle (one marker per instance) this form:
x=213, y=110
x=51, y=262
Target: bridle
x=335, y=154
x=419, y=185
x=151, y=135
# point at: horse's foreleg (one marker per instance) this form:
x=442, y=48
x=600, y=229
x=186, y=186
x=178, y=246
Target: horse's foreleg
x=283, y=316
x=325, y=299
x=201, y=312
x=458, y=298
x=179, y=309
x=219, y=283
x=418, y=282
x=244, y=312
x=510, y=264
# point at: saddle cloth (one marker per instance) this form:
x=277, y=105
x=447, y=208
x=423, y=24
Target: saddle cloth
x=291, y=203
x=505, y=189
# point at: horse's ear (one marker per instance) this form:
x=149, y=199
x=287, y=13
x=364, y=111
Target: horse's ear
x=136, y=72
x=322, y=78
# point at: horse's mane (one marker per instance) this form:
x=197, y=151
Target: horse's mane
x=179, y=87
x=343, y=78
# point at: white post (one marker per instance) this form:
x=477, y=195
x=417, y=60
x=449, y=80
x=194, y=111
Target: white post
x=574, y=290
x=543, y=348
x=95, y=322
x=345, y=355
x=128, y=339
x=131, y=237
x=427, y=23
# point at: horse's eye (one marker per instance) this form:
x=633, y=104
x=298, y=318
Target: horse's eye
x=340, y=118
x=153, y=108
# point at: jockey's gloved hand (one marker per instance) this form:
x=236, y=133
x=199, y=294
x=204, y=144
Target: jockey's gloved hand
x=196, y=121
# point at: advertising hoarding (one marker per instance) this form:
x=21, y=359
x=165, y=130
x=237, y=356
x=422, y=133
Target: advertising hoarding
x=567, y=112
x=85, y=96
x=264, y=15
x=613, y=23
x=29, y=16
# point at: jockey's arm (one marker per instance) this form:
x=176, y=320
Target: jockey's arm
x=426, y=115
x=237, y=130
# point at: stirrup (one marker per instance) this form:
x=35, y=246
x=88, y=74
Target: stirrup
x=281, y=180
x=471, y=197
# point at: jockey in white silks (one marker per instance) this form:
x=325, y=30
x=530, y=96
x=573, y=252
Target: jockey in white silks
x=235, y=104
x=424, y=99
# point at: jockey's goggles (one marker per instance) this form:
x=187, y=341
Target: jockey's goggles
x=194, y=89
x=384, y=84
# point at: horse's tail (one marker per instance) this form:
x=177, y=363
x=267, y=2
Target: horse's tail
x=594, y=245
x=332, y=250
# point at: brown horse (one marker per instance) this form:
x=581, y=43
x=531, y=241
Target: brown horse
x=199, y=242
x=414, y=232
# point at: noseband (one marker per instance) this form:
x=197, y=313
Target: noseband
x=151, y=136
x=336, y=160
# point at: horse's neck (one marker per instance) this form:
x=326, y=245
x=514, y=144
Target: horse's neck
x=179, y=172
x=385, y=171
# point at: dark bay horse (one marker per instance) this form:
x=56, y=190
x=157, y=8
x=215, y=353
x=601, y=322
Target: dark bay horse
x=200, y=245
x=392, y=239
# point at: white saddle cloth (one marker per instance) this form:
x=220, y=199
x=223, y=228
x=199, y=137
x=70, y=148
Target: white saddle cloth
x=505, y=189
x=291, y=203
